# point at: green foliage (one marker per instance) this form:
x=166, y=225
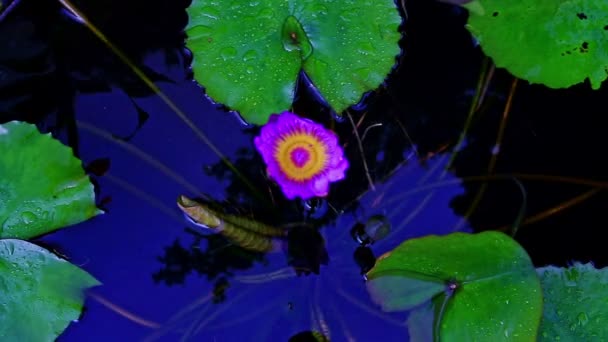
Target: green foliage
x=575, y=303
x=40, y=294
x=43, y=186
x=497, y=294
x=247, y=54
x=558, y=43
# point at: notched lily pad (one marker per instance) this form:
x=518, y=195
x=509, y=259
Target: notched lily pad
x=575, y=303
x=43, y=186
x=40, y=294
x=488, y=280
x=248, y=54
x=558, y=43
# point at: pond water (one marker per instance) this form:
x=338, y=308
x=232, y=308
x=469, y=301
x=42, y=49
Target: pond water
x=165, y=279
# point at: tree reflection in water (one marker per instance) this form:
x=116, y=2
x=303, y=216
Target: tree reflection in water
x=316, y=284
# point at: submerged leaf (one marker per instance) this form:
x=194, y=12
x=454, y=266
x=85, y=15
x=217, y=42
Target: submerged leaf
x=402, y=292
x=40, y=294
x=248, y=55
x=575, y=303
x=493, y=291
x=42, y=185
x=558, y=43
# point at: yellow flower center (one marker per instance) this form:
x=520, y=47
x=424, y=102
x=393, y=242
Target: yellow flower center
x=300, y=156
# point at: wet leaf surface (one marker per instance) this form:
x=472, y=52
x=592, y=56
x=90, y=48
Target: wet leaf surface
x=556, y=43
x=345, y=47
x=43, y=186
x=575, y=303
x=40, y=294
x=492, y=287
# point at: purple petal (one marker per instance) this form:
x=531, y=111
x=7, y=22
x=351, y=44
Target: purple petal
x=337, y=172
x=280, y=128
x=320, y=186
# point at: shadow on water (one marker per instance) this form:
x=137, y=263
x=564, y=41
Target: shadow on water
x=165, y=279
x=275, y=298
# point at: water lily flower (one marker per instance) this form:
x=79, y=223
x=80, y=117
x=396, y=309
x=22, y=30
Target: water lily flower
x=302, y=156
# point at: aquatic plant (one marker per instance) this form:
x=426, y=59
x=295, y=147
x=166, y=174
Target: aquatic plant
x=42, y=188
x=249, y=234
x=302, y=156
x=247, y=55
x=41, y=293
x=144, y=202
x=476, y=287
x=557, y=43
x=484, y=286
x=575, y=305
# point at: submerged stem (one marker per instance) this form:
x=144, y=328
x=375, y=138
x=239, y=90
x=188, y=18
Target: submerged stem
x=501, y=177
x=557, y=208
x=369, y=178
x=493, y=157
x=484, y=79
x=124, y=313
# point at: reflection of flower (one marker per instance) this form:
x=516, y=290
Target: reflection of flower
x=301, y=155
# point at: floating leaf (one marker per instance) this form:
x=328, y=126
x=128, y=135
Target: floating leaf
x=420, y=323
x=42, y=185
x=575, y=303
x=398, y=290
x=496, y=294
x=247, y=54
x=558, y=43
x=40, y=294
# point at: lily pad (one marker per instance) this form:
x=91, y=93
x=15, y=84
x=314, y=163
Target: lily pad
x=492, y=290
x=40, y=294
x=248, y=54
x=558, y=43
x=420, y=323
x=43, y=186
x=576, y=303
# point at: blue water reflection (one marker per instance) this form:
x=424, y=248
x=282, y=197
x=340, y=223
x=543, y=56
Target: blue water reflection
x=267, y=301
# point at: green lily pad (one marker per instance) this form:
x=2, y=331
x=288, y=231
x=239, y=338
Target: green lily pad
x=248, y=54
x=43, y=186
x=576, y=303
x=40, y=294
x=420, y=323
x=558, y=43
x=492, y=290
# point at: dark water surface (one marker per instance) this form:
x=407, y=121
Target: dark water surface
x=187, y=284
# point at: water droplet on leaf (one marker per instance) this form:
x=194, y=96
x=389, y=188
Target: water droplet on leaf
x=28, y=217
x=319, y=9
x=250, y=55
x=266, y=13
x=210, y=12
x=199, y=31
x=582, y=318
x=228, y=53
